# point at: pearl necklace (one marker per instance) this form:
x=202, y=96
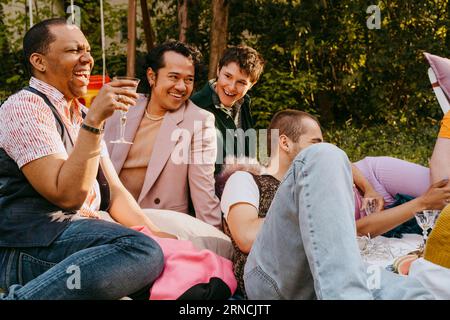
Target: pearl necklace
x=149, y=116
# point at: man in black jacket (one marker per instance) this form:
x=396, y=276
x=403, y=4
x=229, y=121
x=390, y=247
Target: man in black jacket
x=226, y=97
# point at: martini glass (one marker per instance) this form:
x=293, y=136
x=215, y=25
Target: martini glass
x=426, y=220
x=123, y=114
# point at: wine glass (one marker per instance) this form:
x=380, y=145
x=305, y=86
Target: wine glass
x=123, y=114
x=371, y=206
x=426, y=220
x=373, y=249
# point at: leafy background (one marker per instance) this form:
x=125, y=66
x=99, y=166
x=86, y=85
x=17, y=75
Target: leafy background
x=369, y=88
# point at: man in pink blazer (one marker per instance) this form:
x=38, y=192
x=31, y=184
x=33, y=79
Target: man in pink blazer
x=174, y=141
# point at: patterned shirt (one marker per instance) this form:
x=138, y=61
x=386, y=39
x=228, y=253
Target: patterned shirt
x=234, y=112
x=29, y=132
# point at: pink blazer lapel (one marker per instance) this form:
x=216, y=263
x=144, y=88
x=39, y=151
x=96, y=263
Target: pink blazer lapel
x=119, y=151
x=164, y=145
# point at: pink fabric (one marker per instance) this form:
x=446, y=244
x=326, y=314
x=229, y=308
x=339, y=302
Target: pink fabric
x=186, y=266
x=441, y=68
x=390, y=176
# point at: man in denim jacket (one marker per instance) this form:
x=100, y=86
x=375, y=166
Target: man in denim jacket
x=307, y=248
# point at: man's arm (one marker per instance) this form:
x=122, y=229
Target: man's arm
x=124, y=208
x=56, y=177
x=244, y=225
x=440, y=160
x=381, y=222
x=239, y=204
x=66, y=182
x=367, y=189
x=201, y=174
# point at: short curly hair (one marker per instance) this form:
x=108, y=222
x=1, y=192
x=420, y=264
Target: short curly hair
x=247, y=58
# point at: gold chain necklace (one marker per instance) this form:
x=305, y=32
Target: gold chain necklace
x=149, y=116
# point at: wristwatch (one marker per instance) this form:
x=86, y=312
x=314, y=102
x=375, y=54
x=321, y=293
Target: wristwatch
x=92, y=129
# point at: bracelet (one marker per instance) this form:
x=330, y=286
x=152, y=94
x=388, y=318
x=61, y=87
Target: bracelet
x=91, y=129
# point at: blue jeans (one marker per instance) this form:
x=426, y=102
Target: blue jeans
x=91, y=259
x=307, y=247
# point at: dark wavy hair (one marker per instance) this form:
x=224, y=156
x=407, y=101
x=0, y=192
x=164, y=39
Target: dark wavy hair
x=155, y=59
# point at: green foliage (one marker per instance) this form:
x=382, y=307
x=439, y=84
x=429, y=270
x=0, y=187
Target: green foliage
x=372, y=76
x=321, y=56
x=13, y=75
x=414, y=144
x=164, y=19
x=369, y=87
x=278, y=90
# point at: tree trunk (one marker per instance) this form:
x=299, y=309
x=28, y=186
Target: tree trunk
x=37, y=12
x=148, y=30
x=325, y=104
x=447, y=34
x=183, y=19
x=131, y=35
x=58, y=8
x=4, y=44
x=219, y=34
